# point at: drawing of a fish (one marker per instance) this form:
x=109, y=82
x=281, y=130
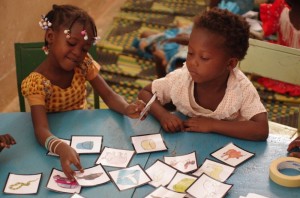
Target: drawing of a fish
x=90, y=176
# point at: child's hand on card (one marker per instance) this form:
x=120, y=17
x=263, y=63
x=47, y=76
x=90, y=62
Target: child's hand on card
x=294, y=148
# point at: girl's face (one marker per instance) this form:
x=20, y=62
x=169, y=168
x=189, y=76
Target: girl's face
x=207, y=60
x=70, y=52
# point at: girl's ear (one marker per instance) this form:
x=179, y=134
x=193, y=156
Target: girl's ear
x=49, y=36
x=232, y=63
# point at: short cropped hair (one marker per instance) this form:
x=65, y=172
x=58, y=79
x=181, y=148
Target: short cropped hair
x=232, y=27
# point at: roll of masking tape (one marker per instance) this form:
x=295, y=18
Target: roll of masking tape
x=285, y=163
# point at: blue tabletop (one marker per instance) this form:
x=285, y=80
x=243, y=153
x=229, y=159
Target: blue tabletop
x=28, y=157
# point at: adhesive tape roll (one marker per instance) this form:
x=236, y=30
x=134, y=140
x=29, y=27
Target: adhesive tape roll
x=285, y=163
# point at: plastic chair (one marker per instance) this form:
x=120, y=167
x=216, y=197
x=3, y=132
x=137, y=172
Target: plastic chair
x=28, y=57
x=273, y=61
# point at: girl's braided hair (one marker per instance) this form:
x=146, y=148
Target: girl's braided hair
x=66, y=15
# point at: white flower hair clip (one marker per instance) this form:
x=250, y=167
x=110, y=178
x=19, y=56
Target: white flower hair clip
x=44, y=23
x=96, y=39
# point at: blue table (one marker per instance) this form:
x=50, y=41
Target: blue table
x=28, y=157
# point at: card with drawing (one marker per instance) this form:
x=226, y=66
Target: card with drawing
x=115, y=157
x=184, y=163
x=164, y=192
x=146, y=108
x=92, y=176
x=22, y=184
x=160, y=173
x=148, y=143
x=206, y=186
x=86, y=144
x=181, y=182
x=60, y=183
x=129, y=177
x=232, y=154
x=218, y=171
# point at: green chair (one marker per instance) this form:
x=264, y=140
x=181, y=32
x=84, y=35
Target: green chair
x=28, y=57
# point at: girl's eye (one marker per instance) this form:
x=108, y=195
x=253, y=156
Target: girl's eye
x=85, y=50
x=71, y=44
x=204, y=58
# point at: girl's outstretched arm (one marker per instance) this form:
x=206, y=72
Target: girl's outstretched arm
x=255, y=129
x=114, y=101
x=67, y=154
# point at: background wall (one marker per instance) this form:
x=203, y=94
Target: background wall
x=19, y=23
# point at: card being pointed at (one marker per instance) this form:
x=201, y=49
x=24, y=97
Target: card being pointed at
x=92, y=176
x=232, y=155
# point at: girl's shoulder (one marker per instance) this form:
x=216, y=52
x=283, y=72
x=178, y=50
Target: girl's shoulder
x=35, y=83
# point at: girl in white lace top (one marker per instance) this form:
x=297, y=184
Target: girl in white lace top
x=209, y=89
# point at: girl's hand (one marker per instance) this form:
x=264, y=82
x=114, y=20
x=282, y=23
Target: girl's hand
x=133, y=110
x=6, y=141
x=171, y=123
x=198, y=124
x=68, y=156
x=295, y=144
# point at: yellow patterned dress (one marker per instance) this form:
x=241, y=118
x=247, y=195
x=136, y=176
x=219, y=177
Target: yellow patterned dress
x=38, y=90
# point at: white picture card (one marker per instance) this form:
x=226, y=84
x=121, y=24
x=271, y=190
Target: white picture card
x=232, y=155
x=181, y=182
x=92, y=176
x=60, y=183
x=75, y=195
x=129, y=177
x=206, y=186
x=160, y=173
x=184, y=163
x=115, y=157
x=148, y=143
x=216, y=170
x=86, y=144
x=22, y=184
x=164, y=192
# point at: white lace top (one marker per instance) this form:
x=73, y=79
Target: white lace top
x=240, y=102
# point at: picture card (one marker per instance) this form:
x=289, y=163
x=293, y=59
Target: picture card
x=60, y=183
x=75, y=195
x=87, y=144
x=65, y=141
x=146, y=108
x=218, y=171
x=129, y=177
x=115, y=157
x=232, y=155
x=92, y=176
x=183, y=163
x=160, y=173
x=22, y=184
x=148, y=143
x=164, y=192
x=206, y=186
x=181, y=182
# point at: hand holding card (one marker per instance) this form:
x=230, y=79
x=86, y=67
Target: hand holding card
x=147, y=108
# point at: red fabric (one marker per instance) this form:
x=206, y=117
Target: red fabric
x=270, y=14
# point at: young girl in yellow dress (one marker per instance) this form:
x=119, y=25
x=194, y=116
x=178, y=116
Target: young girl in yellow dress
x=58, y=83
